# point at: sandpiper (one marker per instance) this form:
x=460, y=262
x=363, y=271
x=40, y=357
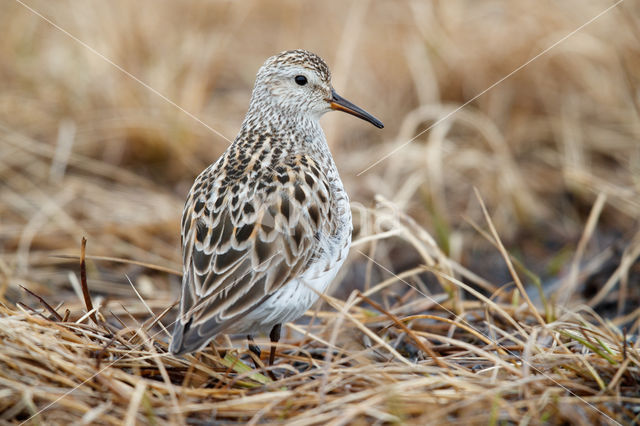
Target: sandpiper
x=267, y=226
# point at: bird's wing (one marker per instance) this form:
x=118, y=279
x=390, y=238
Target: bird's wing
x=239, y=248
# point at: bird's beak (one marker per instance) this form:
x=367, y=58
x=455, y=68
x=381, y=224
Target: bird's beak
x=339, y=103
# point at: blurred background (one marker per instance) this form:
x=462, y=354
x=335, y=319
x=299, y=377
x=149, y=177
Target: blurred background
x=106, y=110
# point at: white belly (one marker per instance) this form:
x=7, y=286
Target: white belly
x=293, y=299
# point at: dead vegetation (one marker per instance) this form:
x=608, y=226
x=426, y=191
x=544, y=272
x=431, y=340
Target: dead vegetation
x=526, y=312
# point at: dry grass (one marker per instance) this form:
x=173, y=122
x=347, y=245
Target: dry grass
x=443, y=312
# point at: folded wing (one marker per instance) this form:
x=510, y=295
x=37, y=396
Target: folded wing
x=241, y=247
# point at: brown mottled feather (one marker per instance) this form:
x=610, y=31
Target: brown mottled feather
x=234, y=261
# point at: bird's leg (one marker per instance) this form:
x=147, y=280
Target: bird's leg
x=255, y=349
x=275, y=337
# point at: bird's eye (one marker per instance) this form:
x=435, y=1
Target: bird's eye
x=301, y=80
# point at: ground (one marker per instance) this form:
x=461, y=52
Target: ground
x=493, y=276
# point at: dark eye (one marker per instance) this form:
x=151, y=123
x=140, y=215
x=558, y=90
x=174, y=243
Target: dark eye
x=301, y=80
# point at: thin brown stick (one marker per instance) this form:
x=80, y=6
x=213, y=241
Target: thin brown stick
x=83, y=282
x=45, y=304
x=407, y=330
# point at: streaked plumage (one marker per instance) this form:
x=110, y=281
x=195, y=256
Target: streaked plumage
x=267, y=226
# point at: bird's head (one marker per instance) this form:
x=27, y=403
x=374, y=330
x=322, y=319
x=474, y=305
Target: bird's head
x=298, y=82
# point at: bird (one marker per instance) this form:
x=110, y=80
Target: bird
x=266, y=227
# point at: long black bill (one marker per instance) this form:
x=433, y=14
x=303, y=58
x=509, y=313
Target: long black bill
x=341, y=104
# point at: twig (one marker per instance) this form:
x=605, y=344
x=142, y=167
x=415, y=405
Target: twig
x=83, y=282
x=44, y=303
x=407, y=330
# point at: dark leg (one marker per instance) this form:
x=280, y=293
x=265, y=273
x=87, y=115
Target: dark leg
x=275, y=337
x=255, y=349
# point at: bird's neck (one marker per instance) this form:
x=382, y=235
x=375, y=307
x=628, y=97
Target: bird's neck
x=289, y=131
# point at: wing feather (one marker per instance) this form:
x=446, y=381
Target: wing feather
x=239, y=251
